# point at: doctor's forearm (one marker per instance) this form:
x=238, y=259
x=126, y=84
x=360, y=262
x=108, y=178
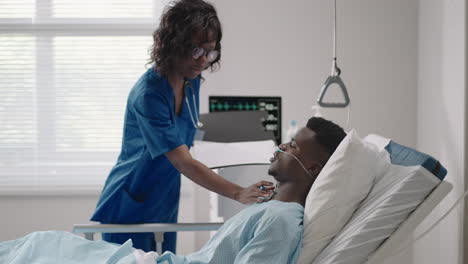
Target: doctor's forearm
x=203, y=176
x=199, y=173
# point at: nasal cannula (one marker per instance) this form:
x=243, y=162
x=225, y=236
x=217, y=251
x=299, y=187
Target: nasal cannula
x=282, y=151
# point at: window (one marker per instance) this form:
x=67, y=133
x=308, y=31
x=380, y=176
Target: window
x=66, y=68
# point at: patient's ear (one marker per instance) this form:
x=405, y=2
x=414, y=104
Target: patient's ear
x=315, y=169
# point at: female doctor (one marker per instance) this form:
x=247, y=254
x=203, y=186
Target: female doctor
x=160, y=123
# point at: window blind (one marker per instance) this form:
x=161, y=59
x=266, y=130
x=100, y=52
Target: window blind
x=66, y=68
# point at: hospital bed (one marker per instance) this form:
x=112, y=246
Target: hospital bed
x=386, y=245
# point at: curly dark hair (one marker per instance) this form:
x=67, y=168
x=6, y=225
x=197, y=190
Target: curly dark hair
x=327, y=133
x=173, y=38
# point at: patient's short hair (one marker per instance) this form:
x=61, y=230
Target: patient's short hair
x=328, y=134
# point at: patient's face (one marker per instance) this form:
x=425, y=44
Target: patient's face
x=304, y=147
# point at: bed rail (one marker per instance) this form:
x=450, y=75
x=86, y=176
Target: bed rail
x=158, y=229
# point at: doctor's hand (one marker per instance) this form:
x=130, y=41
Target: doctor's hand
x=252, y=193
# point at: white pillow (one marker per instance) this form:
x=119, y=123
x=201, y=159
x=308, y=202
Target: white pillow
x=398, y=190
x=337, y=192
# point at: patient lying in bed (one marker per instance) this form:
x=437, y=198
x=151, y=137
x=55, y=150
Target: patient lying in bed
x=269, y=232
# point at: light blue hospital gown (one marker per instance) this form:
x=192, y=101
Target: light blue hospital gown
x=64, y=248
x=268, y=232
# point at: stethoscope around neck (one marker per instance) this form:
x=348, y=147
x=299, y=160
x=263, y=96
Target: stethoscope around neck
x=193, y=115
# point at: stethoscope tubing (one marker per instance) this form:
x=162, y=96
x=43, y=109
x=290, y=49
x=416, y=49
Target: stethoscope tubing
x=195, y=121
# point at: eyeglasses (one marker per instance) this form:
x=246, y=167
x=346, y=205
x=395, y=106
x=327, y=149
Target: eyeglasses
x=211, y=55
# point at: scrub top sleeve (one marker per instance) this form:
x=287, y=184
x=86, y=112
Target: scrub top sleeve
x=157, y=123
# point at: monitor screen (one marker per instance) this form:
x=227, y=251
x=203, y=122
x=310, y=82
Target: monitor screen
x=272, y=105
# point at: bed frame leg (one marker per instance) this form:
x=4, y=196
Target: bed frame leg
x=89, y=236
x=159, y=239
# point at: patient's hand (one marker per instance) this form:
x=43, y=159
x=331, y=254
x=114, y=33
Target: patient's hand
x=250, y=194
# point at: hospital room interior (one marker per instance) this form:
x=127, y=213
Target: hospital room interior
x=66, y=68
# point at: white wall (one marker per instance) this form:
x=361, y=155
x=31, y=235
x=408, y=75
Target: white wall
x=441, y=120
x=22, y=214
x=27, y=212
x=284, y=48
x=465, y=217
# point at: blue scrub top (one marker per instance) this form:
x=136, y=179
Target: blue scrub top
x=144, y=186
